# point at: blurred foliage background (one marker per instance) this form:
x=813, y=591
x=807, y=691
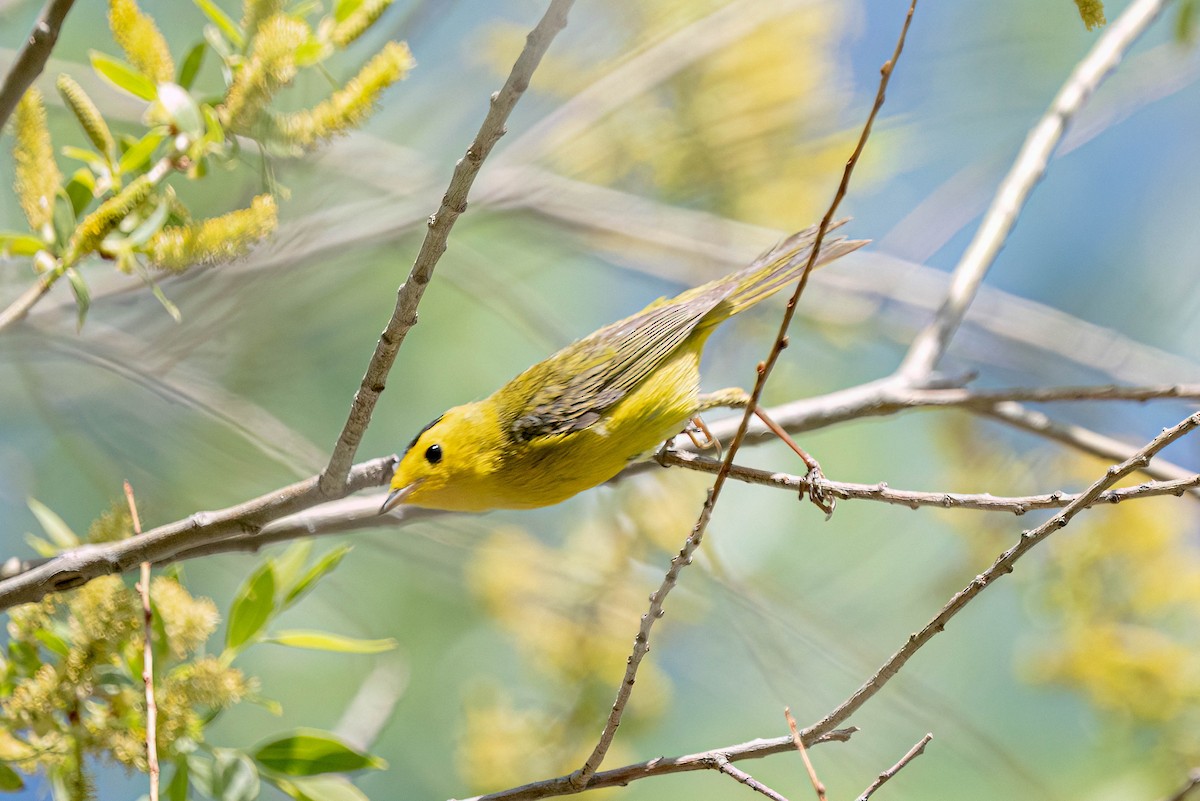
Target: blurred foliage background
x=660, y=144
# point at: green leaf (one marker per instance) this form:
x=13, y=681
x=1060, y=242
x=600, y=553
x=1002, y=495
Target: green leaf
x=324, y=641
x=41, y=547
x=181, y=109
x=54, y=642
x=344, y=8
x=177, y=788
x=307, y=752
x=219, y=18
x=63, y=217
x=252, y=607
x=191, y=65
x=88, y=157
x=234, y=776
x=138, y=155
x=151, y=225
x=311, y=52
x=83, y=298
x=289, y=563
x=81, y=190
x=128, y=262
x=55, y=527
x=320, y=788
x=10, y=780
x=15, y=244
x=324, y=565
x=122, y=75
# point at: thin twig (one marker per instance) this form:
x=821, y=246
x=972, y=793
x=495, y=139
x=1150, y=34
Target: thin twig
x=662, y=766
x=912, y=754
x=1031, y=163
x=798, y=741
x=582, y=777
x=913, y=499
x=454, y=203
x=736, y=773
x=80, y=565
x=31, y=60
x=1003, y=565
x=143, y=588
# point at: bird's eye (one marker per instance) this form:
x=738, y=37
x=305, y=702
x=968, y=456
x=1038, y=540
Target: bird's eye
x=433, y=454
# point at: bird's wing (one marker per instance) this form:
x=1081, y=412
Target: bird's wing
x=572, y=389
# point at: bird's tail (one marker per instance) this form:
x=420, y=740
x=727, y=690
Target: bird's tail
x=780, y=266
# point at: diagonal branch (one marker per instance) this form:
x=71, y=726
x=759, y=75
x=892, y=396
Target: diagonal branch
x=663, y=766
x=1002, y=566
x=31, y=60
x=929, y=345
x=454, y=203
x=165, y=543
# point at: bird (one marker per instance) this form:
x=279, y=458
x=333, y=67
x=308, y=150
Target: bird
x=577, y=418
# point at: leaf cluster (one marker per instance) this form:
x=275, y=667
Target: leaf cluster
x=118, y=204
x=71, y=682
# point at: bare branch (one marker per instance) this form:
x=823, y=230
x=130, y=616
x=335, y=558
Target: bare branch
x=1003, y=565
x=912, y=754
x=31, y=59
x=165, y=543
x=736, y=773
x=929, y=345
x=143, y=588
x=454, y=203
x=798, y=741
x=662, y=766
x=913, y=499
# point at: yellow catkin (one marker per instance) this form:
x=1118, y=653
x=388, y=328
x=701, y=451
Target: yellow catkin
x=37, y=175
x=1091, y=12
x=141, y=41
x=272, y=64
x=255, y=11
x=219, y=239
x=86, y=113
x=358, y=21
x=96, y=226
x=351, y=104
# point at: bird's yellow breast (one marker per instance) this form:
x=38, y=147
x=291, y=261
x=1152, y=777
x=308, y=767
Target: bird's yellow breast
x=549, y=469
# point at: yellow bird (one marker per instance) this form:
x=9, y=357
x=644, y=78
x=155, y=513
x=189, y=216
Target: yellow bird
x=575, y=420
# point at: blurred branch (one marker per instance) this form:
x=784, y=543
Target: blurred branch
x=663, y=766
x=912, y=754
x=1078, y=437
x=165, y=543
x=454, y=203
x=1193, y=781
x=655, y=64
x=927, y=349
x=31, y=59
x=1002, y=566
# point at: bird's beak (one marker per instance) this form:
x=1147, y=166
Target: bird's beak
x=397, y=496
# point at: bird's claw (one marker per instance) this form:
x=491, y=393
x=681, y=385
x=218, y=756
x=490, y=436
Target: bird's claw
x=817, y=493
